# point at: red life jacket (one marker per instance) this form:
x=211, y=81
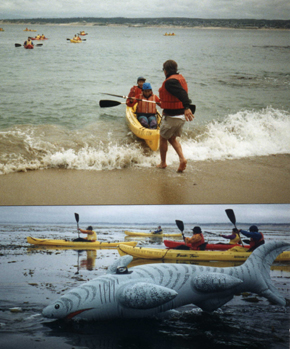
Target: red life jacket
x=168, y=101
x=195, y=246
x=134, y=92
x=255, y=243
x=145, y=107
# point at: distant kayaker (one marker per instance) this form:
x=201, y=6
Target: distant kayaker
x=28, y=42
x=256, y=238
x=234, y=237
x=91, y=234
x=135, y=90
x=196, y=242
x=158, y=231
x=146, y=111
x=176, y=110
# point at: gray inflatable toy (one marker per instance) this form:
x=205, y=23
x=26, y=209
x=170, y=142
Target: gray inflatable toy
x=147, y=290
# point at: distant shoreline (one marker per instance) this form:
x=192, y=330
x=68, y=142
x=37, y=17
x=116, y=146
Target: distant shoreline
x=162, y=22
x=80, y=24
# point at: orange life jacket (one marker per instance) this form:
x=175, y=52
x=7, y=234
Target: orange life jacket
x=254, y=243
x=145, y=107
x=168, y=101
x=195, y=245
x=134, y=92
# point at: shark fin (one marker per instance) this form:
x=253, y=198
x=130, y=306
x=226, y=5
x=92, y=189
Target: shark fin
x=213, y=282
x=119, y=263
x=143, y=295
x=256, y=271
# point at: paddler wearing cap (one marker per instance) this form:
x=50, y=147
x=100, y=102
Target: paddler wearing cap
x=146, y=112
x=135, y=91
x=195, y=242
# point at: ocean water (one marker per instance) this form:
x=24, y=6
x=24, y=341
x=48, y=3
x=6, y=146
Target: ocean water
x=49, y=110
x=31, y=278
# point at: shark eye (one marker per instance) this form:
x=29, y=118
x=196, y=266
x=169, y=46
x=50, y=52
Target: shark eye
x=56, y=306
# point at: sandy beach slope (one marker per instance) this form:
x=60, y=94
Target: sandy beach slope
x=251, y=180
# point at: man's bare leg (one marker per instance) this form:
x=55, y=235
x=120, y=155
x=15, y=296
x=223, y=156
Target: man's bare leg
x=177, y=147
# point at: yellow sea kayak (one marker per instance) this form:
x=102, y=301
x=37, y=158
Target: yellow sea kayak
x=132, y=233
x=190, y=255
x=75, y=41
x=150, y=136
x=64, y=243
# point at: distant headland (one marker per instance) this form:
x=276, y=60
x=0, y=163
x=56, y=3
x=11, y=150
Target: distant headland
x=159, y=22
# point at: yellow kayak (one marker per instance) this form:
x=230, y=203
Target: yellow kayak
x=78, y=244
x=140, y=234
x=75, y=41
x=150, y=136
x=235, y=254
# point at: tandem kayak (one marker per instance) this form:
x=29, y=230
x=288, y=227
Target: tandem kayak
x=140, y=234
x=239, y=254
x=39, y=38
x=151, y=136
x=218, y=247
x=78, y=244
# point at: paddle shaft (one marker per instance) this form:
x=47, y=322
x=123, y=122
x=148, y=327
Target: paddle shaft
x=231, y=215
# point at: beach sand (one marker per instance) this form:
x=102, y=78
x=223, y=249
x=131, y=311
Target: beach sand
x=250, y=180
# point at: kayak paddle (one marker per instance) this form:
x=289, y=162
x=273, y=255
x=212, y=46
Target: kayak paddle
x=192, y=106
x=108, y=104
x=77, y=219
x=231, y=215
x=180, y=227
x=19, y=45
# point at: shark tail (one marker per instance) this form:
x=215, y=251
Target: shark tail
x=256, y=271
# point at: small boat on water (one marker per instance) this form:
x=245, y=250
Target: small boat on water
x=217, y=247
x=151, y=136
x=75, y=41
x=78, y=244
x=235, y=254
x=140, y=234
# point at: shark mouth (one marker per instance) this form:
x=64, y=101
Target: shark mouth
x=71, y=315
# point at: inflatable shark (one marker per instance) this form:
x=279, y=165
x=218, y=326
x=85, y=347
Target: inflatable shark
x=148, y=290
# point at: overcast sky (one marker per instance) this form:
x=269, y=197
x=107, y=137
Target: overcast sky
x=145, y=214
x=259, y=9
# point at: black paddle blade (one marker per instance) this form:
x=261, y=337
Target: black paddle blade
x=230, y=213
x=192, y=108
x=77, y=217
x=39, y=44
x=18, y=45
x=107, y=103
x=180, y=225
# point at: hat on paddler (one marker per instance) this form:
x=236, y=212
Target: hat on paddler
x=146, y=86
x=196, y=230
x=141, y=78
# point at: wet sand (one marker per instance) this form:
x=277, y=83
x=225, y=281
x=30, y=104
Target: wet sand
x=251, y=180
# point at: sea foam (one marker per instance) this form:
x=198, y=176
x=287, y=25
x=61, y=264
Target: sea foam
x=248, y=133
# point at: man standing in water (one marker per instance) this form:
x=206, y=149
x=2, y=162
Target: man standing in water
x=175, y=104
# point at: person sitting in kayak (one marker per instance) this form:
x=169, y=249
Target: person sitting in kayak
x=91, y=235
x=42, y=36
x=158, y=231
x=256, y=238
x=196, y=242
x=146, y=111
x=135, y=90
x=28, y=42
x=234, y=237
